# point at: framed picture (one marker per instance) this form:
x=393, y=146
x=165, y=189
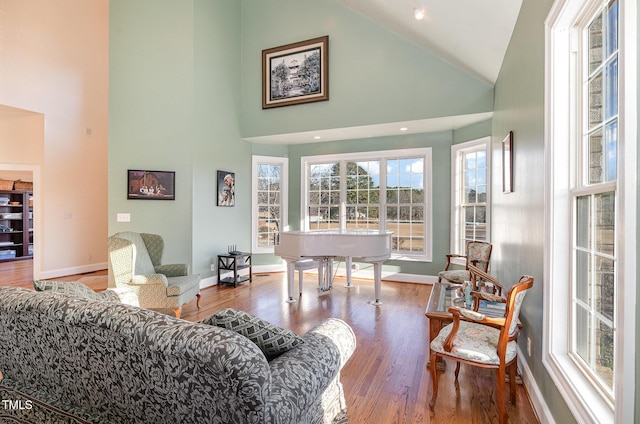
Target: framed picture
x=151, y=185
x=226, y=188
x=296, y=73
x=507, y=163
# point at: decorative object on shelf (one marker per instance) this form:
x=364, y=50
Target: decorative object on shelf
x=226, y=188
x=23, y=185
x=6, y=184
x=151, y=185
x=296, y=73
x=507, y=163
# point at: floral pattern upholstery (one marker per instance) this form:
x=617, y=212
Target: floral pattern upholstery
x=477, y=253
x=105, y=362
x=475, y=342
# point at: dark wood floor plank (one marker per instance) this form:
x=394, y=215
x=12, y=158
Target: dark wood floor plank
x=386, y=380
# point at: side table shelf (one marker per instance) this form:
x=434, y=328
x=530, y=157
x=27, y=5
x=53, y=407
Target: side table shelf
x=234, y=263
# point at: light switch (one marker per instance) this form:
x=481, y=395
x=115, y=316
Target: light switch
x=123, y=217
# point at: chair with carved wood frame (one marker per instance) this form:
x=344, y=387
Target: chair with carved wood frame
x=483, y=341
x=478, y=253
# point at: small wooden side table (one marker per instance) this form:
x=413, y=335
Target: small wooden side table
x=234, y=263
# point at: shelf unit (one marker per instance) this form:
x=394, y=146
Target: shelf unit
x=17, y=217
x=234, y=263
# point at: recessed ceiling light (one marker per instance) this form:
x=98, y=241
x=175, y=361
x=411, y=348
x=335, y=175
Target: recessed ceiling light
x=317, y=137
x=418, y=14
x=404, y=129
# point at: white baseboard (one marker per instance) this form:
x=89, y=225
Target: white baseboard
x=62, y=272
x=537, y=400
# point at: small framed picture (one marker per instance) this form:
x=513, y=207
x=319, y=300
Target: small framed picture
x=226, y=188
x=507, y=163
x=296, y=73
x=151, y=185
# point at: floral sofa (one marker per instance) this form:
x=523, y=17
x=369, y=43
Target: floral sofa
x=85, y=357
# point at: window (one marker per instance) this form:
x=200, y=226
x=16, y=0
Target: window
x=470, y=198
x=385, y=190
x=270, y=194
x=591, y=207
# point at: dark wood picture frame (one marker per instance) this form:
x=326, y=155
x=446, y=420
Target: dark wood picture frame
x=151, y=185
x=507, y=163
x=226, y=188
x=296, y=73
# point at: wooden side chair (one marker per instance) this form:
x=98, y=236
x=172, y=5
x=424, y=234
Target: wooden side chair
x=478, y=253
x=482, y=341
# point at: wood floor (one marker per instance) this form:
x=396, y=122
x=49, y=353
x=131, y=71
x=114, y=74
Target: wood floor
x=385, y=380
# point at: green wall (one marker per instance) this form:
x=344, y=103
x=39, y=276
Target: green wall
x=375, y=76
x=517, y=219
x=185, y=88
x=173, y=105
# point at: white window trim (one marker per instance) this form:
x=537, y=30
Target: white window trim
x=588, y=404
x=284, y=197
x=425, y=152
x=456, y=184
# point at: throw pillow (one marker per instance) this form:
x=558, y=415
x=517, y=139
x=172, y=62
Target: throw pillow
x=271, y=339
x=73, y=288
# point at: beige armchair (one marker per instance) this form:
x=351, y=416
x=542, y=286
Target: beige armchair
x=135, y=264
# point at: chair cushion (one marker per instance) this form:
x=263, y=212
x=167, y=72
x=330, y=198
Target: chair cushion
x=474, y=342
x=455, y=276
x=73, y=288
x=182, y=284
x=271, y=339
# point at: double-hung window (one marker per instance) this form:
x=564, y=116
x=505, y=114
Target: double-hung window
x=383, y=190
x=470, y=200
x=590, y=208
x=269, y=198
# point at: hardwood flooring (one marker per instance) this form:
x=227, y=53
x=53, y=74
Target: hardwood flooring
x=385, y=380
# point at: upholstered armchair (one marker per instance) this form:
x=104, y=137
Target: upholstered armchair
x=483, y=341
x=135, y=264
x=478, y=253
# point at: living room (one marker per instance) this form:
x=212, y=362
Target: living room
x=92, y=89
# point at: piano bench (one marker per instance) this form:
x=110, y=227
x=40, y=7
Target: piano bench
x=304, y=265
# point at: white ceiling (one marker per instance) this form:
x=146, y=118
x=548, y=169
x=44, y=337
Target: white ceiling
x=470, y=34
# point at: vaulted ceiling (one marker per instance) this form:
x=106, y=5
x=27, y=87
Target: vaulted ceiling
x=470, y=34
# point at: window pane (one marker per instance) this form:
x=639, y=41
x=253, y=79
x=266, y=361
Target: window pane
x=595, y=44
x=595, y=100
x=604, y=285
x=269, y=207
x=611, y=151
x=583, y=276
x=604, y=353
x=611, y=98
x=582, y=333
x=605, y=223
x=612, y=29
x=583, y=223
x=595, y=157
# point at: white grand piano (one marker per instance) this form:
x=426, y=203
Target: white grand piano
x=370, y=246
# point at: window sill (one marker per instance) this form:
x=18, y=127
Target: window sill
x=587, y=404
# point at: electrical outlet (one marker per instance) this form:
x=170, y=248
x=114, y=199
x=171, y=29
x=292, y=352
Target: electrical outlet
x=213, y=267
x=529, y=346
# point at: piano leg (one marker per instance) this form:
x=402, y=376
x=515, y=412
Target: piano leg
x=377, y=276
x=326, y=274
x=347, y=264
x=291, y=271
